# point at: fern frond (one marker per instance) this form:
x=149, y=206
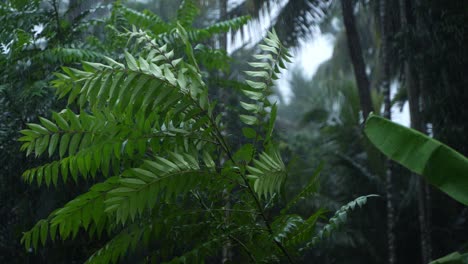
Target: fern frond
x=261, y=78
x=212, y=59
x=128, y=196
x=145, y=20
x=167, y=36
x=339, y=218
x=187, y=12
x=102, y=143
x=129, y=88
x=81, y=212
x=83, y=145
x=305, y=231
x=125, y=241
x=68, y=55
x=285, y=225
x=268, y=173
x=310, y=188
x=161, y=178
x=217, y=28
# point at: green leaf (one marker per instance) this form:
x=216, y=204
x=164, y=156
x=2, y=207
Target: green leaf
x=260, y=65
x=264, y=57
x=260, y=74
x=439, y=164
x=41, y=145
x=208, y=160
x=248, y=120
x=253, y=95
x=64, y=144
x=271, y=121
x=112, y=62
x=452, y=258
x=131, y=182
x=44, y=230
x=74, y=142
x=53, y=144
x=35, y=237
x=249, y=133
x=38, y=128
x=170, y=76
x=131, y=62
x=256, y=85
x=145, y=174
x=122, y=190
x=254, y=108
x=54, y=171
x=74, y=120
x=268, y=48
x=143, y=64
x=169, y=165
x=48, y=124
x=62, y=123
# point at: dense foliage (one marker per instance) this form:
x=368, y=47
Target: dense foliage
x=92, y=140
x=168, y=185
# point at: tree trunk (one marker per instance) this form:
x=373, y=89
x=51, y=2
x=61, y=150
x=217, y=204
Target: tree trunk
x=355, y=53
x=424, y=188
x=414, y=101
x=385, y=85
x=223, y=16
x=227, y=247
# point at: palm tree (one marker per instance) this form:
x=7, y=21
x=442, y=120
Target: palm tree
x=355, y=53
x=293, y=19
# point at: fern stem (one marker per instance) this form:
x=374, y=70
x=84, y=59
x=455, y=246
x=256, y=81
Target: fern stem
x=57, y=19
x=222, y=142
x=260, y=208
x=246, y=249
x=265, y=220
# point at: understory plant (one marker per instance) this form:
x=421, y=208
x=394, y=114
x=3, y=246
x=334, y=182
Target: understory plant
x=167, y=183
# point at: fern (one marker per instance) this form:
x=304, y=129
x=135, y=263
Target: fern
x=145, y=129
x=69, y=55
x=264, y=72
x=187, y=13
x=339, y=218
x=117, y=248
x=268, y=173
x=303, y=230
x=309, y=189
x=145, y=20
x=161, y=30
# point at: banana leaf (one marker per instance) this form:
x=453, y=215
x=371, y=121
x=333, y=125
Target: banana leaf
x=439, y=164
x=453, y=258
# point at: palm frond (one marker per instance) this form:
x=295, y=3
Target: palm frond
x=294, y=19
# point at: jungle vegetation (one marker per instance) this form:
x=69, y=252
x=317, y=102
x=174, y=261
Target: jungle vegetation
x=132, y=131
